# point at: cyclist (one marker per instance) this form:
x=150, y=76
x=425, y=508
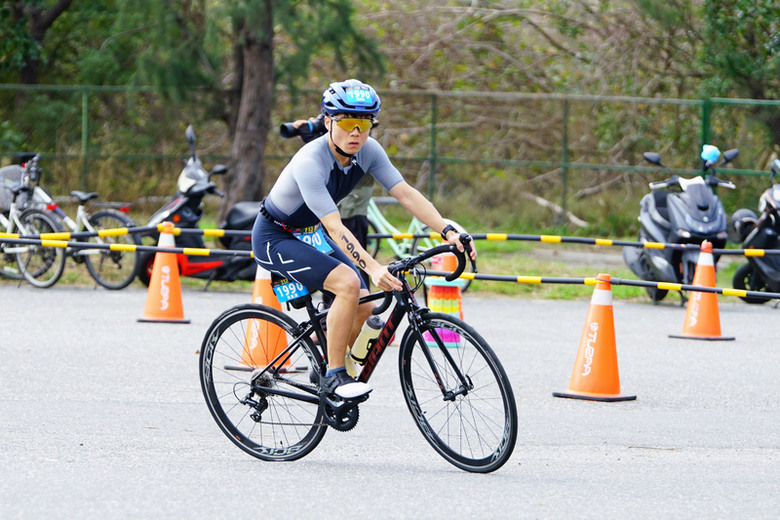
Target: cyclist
x=288, y=238
x=354, y=208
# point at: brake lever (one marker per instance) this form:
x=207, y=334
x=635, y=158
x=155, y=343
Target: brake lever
x=466, y=240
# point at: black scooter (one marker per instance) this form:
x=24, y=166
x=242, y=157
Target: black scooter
x=688, y=216
x=185, y=210
x=760, y=273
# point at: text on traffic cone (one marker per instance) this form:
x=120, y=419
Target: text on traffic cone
x=595, y=376
x=264, y=340
x=163, y=299
x=702, y=317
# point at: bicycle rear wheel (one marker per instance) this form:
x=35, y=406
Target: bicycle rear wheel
x=474, y=426
x=41, y=266
x=112, y=269
x=258, y=420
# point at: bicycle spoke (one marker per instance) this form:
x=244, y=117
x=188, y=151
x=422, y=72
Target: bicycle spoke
x=255, y=415
x=475, y=426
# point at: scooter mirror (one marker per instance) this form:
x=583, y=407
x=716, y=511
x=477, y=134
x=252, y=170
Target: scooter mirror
x=775, y=169
x=653, y=158
x=219, y=169
x=730, y=155
x=190, y=135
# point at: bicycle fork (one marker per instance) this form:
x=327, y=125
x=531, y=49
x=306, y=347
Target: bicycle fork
x=465, y=381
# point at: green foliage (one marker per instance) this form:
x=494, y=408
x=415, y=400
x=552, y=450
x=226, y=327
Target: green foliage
x=743, y=48
x=11, y=139
x=16, y=46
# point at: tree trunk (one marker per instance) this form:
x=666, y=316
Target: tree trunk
x=39, y=22
x=245, y=180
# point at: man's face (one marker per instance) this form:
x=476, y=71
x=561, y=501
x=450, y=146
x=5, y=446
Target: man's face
x=349, y=132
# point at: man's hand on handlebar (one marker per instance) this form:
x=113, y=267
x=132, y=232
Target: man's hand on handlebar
x=384, y=279
x=461, y=240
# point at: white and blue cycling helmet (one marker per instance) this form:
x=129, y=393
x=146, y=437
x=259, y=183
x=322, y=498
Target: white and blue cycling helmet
x=350, y=97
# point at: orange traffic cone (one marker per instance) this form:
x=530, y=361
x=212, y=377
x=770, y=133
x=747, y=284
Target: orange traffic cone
x=264, y=341
x=702, y=319
x=595, y=376
x=163, y=300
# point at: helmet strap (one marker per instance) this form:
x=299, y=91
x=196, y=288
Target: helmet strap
x=338, y=150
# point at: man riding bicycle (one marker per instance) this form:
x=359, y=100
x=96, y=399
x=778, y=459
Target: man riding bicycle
x=288, y=239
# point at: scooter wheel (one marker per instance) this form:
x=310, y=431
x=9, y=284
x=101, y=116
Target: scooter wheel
x=656, y=294
x=747, y=279
x=145, y=266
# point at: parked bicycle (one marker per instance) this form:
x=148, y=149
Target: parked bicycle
x=39, y=265
x=110, y=269
x=260, y=374
x=404, y=247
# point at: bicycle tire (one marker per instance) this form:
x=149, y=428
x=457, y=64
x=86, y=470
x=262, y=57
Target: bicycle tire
x=477, y=430
x=112, y=269
x=41, y=266
x=420, y=245
x=372, y=244
x=9, y=267
x=287, y=429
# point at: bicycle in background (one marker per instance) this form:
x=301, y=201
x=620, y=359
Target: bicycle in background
x=40, y=266
x=405, y=247
x=260, y=373
x=110, y=269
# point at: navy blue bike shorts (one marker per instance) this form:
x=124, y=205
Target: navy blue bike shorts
x=278, y=251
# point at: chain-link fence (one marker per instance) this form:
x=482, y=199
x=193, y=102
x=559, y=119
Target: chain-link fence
x=494, y=157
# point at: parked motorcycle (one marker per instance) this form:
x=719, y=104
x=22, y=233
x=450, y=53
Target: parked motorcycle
x=760, y=273
x=689, y=214
x=185, y=210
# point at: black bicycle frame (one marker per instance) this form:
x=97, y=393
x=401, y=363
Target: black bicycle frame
x=404, y=299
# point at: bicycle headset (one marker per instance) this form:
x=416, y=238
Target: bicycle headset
x=351, y=98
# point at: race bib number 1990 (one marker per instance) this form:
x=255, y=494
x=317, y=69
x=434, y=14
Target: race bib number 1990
x=315, y=238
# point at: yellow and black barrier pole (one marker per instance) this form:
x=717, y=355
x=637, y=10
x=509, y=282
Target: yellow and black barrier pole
x=614, y=281
x=131, y=248
x=495, y=237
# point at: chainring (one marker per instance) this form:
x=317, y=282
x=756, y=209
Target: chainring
x=343, y=417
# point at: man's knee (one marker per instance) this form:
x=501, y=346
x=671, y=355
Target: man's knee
x=342, y=281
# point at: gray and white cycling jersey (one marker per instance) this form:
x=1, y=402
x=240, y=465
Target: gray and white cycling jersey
x=313, y=182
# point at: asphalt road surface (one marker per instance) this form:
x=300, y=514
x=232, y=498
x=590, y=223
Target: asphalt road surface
x=102, y=417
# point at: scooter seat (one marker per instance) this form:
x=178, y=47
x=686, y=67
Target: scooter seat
x=242, y=215
x=659, y=198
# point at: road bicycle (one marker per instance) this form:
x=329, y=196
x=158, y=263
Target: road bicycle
x=260, y=373
x=40, y=266
x=408, y=246
x=111, y=269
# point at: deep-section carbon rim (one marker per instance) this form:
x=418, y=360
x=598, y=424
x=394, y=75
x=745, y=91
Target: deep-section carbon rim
x=265, y=425
x=476, y=431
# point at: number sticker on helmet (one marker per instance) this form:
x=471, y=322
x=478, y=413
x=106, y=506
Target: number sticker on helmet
x=360, y=96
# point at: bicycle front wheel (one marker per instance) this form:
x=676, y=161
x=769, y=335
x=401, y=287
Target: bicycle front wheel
x=278, y=417
x=112, y=269
x=41, y=266
x=458, y=393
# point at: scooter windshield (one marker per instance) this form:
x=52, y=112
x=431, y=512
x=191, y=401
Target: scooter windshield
x=699, y=194
x=192, y=175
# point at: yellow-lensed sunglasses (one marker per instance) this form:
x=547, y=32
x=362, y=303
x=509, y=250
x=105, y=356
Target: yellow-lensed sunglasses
x=349, y=123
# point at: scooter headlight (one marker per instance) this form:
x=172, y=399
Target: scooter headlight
x=683, y=233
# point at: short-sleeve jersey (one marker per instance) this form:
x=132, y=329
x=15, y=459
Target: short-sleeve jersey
x=313, y=182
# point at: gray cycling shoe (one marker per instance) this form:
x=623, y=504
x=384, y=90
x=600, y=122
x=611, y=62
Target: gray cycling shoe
x=344, y=386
